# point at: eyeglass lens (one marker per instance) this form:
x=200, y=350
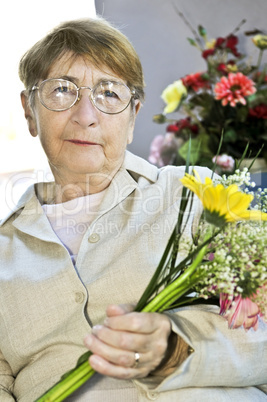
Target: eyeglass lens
x=109, y=97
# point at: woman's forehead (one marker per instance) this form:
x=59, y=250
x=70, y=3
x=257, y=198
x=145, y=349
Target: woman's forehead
x=79, y=66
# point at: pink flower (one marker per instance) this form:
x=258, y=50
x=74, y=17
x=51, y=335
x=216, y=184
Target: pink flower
x=155, y=149
x=239, y=312
x=163, y=149
x=225, y=162
x=260, y=298
x=233, y=89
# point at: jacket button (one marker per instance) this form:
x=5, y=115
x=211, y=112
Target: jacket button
x=94, y=238
x=152, y=395
x=79, y=297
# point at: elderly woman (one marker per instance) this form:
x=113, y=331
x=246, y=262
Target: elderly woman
x=76, y=254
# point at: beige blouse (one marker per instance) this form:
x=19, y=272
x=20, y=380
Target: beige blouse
x=47, y=305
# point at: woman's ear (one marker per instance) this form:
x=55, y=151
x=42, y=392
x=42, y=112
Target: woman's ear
x=138, y=105
x=28, y=113
x=135, y=110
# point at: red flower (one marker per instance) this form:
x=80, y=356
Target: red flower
x=231, y=42
x=195, y=81
x=173, y=128
x=208, y=52
x=182, y=124
x=223, y=68
x=233, y=89
x=260, y=111
x=194, y=128
x=219, y=42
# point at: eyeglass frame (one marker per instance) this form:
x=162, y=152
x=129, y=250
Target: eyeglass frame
x=36, y=88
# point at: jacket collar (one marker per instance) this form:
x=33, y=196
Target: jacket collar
x=126, y=180
x=139, y=167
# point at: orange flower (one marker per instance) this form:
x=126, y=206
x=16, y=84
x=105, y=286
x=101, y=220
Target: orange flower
x=233, y=89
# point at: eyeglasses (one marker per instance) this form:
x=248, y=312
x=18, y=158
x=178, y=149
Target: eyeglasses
x=109, y=97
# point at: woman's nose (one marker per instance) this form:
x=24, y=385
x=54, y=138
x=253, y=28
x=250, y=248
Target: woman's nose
x=84, y=112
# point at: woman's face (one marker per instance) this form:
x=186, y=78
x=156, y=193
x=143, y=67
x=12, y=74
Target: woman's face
x=81, y=140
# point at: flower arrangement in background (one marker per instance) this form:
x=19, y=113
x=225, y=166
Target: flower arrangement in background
x=228, y=100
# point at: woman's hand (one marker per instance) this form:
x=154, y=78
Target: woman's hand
x=123, y=333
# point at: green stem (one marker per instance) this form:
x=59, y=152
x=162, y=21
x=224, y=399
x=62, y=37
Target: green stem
x=259, y=58
x=168, y=295
x=68, y=384
x=77, y=385
x=177, y=294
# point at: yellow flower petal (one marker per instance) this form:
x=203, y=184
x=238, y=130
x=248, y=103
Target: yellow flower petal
x=171, y=107
x=222, y=204
x=210, y=44
x=252, y=215
x=172, y=95
x=236, y=203
x=260, y=41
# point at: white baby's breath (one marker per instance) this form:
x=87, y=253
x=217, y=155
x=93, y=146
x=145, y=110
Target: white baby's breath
x=239, y=262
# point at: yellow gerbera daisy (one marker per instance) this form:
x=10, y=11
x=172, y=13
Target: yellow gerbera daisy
x=222, y=204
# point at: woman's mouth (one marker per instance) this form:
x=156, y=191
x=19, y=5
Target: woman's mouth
x=82, y=142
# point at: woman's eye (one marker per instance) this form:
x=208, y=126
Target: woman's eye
x=110, y=94
x=62, y=90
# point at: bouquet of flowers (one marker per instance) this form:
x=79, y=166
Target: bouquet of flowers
x=229, y=98
x=226, y=261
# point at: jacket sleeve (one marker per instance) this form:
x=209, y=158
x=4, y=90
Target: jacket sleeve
x=6, y=381
x=222, y=357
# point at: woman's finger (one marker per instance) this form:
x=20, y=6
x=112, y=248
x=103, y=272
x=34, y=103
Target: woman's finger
x=123, y=340
x=119, y=357
x=119, y=309
x=104, y=367
x=145, y=323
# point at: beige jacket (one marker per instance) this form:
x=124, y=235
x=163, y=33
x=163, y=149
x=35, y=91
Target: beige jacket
x=47, y=305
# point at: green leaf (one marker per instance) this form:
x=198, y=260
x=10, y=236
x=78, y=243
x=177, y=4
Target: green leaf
x=159, y=118
x=203, y=99
x=195, y=151
x=83, y=358
x=192, y=41
x=199, y=149
x=230, y=135
x=202, y=31
x=242, y=114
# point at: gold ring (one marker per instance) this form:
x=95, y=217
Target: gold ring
x=136, y=359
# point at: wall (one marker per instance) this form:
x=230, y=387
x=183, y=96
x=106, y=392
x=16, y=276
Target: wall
x=159, y=36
